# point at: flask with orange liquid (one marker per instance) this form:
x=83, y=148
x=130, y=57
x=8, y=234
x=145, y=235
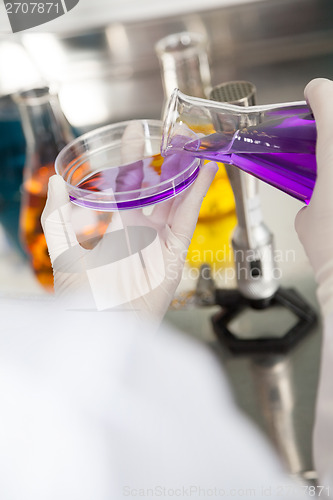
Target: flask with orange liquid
x=46, y=132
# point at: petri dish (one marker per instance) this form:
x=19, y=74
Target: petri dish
x=119, y=167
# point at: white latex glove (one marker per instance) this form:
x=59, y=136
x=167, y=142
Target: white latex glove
x=314, y=224
x=138, y=263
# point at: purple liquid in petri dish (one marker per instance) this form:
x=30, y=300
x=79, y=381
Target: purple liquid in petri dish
x=141, y=183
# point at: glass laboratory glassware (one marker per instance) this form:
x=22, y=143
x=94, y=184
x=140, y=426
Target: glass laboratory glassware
x=46, y=131
x=184, y=62
x=276, y=143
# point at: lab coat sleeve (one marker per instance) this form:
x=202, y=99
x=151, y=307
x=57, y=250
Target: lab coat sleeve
x=323, y=428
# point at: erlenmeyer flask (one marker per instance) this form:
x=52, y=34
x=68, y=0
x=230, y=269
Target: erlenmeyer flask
x=276, y=143
x=46, y=131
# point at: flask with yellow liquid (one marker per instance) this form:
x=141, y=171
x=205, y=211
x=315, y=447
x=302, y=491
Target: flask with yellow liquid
x=184, y=64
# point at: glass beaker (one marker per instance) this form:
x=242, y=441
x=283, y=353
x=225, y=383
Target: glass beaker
x=184, y=62
x=276, y=143
x=118, y=171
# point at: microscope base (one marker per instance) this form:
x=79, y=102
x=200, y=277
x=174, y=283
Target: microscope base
x=233, y=303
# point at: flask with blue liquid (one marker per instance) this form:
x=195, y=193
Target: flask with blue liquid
x=12, y=151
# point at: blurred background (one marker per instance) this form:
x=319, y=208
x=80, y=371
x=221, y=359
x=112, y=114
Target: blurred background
x=102, y=53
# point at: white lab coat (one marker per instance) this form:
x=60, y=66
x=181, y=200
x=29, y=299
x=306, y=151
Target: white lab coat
x=95, y=407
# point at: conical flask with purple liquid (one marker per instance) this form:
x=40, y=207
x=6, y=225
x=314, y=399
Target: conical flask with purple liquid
x=276, y=143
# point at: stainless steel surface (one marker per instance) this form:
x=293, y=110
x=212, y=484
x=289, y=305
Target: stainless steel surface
x=272, y=376
x=184, y=63
x=277, y=392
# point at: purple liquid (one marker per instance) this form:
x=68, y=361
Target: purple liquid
x=280, y=151
x=141, y=183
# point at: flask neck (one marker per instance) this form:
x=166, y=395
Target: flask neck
x=44, y=125
x=189, y=117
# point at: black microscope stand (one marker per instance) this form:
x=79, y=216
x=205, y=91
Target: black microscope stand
x=232, y=303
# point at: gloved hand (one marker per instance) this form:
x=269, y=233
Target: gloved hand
x=314, y=224
x=138, y=263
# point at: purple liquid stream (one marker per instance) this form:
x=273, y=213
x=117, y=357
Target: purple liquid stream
x=281, y=151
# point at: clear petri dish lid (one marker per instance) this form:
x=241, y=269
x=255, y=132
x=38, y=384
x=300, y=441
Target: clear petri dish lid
x=119, y=167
